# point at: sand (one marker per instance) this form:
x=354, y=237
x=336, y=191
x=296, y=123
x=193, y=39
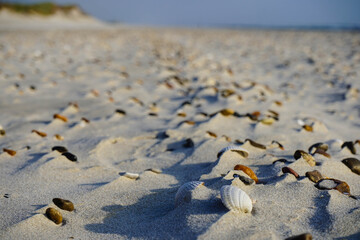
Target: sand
x=145, y=93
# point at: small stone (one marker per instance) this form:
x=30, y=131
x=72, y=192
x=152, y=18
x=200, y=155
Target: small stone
x=314, y=147
x=154, y=170
x=54, y=215
x=70, y=156
x=60, y=117
x=327, y=184
x=353, y=164
x=2, y=132
x=120, y=111
x=307, y=157
x=9, y=151
x=41, y=134
x=304, y=236
x=227, y=112
x=314, y=176
x=212, y=134
x=308, y=128
x=63, y=204
x=255, y=144
x=350, y=146
x=290, y=170
x=188, y=143
x=60, y=149
x=58, y=137
x=245, y=180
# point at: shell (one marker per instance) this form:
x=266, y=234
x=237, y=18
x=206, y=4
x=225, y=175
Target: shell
x=211, y=134
x=236, y=149
x=307, y=157
x=9, y=151
x=131, y=175
x=58, y=137
x=353, y=164
x=290, y=170
x=314, y=147
x=154, y=170
x=60, y=117
x=248, y=171
x=184, y=192
x=235, y=199
x=63, y=204
x=268, y=121
x=227, y=112
x=41, y=134
x=70, y=156
x=60, y=149
x=314, y=176
x=54, y=215
x=304, y=236
x=350, y=146
x=255, y=144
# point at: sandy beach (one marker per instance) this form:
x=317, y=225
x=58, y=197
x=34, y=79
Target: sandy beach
x=142, y=111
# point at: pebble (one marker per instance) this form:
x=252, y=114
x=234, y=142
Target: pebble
x=188, y=143
x=245, y=180
x=70, y=156
x=120, y=111
x=314, y=176
x=212, y=134
x=63, y=204
x=248, y=171
x=9, y=151
x=60, y=149
x=154, y=170
x=54, y=215
x=290, y=170
x=61, y=117
x=255, y=144
x=227, y=112
x=307, y=157
x=304, y=236
x=41, y=134
x=353, y=164
x=350, y=146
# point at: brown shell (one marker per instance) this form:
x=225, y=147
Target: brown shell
x=59, y=137
x=63, y=204
x=227, y=93
x=308, y=128
x=227, y=112
x=290, y=170
x=9, y=151
x=255, y=144
x=353, y=164
x=322, y=152
x=350, y=146
x=181, y=114
x=54, y=215
x=314, y=176
x=307, y=157
x=60, y=117
x=304, y=236
x=278, y=103
x=85, y=120
x=41, y=134
x=279, y=144
x=248, y=171
x=211, y=134
x=189, y=122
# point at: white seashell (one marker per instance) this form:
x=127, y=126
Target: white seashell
x=300, y=122
x=131, y=175
x=235, y=199
x=237, y=149
x=184, y=192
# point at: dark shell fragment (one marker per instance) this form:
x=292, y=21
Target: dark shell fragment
x=353, y=164
x=70, y=156
x=60, y=149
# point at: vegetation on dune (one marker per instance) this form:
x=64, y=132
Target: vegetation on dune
x=42, y=8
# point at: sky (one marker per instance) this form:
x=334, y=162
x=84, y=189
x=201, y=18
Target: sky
x=193, y=13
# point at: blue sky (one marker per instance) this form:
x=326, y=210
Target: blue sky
x=225, y=12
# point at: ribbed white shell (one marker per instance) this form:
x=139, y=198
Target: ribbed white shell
x=234, y=149
x=184, y=192
x=235, y=199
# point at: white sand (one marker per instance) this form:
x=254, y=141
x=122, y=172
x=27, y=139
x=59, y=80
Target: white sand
x=135, y=63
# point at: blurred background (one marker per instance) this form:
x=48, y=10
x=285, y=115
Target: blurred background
x=229, y=13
